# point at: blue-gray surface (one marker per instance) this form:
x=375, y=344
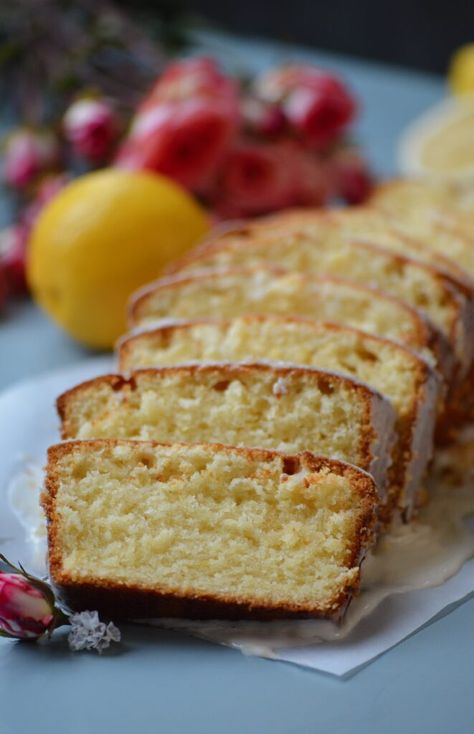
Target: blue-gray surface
x=171, y=684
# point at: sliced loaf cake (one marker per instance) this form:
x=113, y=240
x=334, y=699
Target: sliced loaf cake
x=139, y=529
x=419, y=284
x=288, y=409
x=433, y=212
x=399, y=374
x=267, y=290
x=371, y=225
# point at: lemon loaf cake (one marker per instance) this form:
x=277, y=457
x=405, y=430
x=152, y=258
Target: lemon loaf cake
x=142, y=529
x=368, y=224
x=288, y=409
x=399, y=374
x=419, y=284
x=260, y=290
x=432, y=211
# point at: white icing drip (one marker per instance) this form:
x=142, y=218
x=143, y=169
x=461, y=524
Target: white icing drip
x=422, y=432
x=383, y=421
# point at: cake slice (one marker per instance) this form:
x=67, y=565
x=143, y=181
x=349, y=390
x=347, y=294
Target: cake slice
x=289, y=409
x=142, y=529
x=267, y=290
x=431, y=211
x=419, y=284
x=400, y=375
x=371, y=225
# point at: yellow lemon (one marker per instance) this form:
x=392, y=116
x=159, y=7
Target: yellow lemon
x=461, y=70
x=100, y=238
x=441, y=143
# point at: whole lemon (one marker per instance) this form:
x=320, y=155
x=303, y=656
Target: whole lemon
x=461, y=70
x=100, y=238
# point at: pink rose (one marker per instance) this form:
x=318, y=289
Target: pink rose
x=28, y=153
x=258, y=178
x=185, y=126
x=186, y=141
x=91, y=128
x=26, y=612
x=317, y=105
x=263, y=118
x=195, y=77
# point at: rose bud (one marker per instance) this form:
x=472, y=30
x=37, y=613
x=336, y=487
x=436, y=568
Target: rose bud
x=354, y=181
x=263, y=118
x=91, y=127
x=316, y=104
x=13, y=258
x=28, y=153
x=26, y=611
x=185, y=125
x=319, y=113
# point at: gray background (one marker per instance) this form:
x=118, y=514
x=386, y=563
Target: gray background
x=163, y=683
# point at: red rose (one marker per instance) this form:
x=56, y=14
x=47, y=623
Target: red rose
x=317, y=105
x=258, y=178
x=186, y=124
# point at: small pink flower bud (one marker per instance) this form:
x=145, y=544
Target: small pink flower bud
x=91, y=128
x=263, y=118
x=25, y=611
x=317, y=105
x=28, y=153
x=319, y=114
x=13, y=258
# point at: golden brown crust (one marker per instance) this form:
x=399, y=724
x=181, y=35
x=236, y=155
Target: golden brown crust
x=166, y=330
x=416, y=432
x=456, y=293
x=122, y=601
x=444, y=196
x=423, y=335
x=418, y=249
x=372, y=401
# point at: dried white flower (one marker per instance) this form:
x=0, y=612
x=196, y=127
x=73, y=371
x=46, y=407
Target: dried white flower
x=280, y=387
x=89, y=633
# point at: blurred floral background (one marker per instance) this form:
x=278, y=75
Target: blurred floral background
x=97, y=84
x=89, y=85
